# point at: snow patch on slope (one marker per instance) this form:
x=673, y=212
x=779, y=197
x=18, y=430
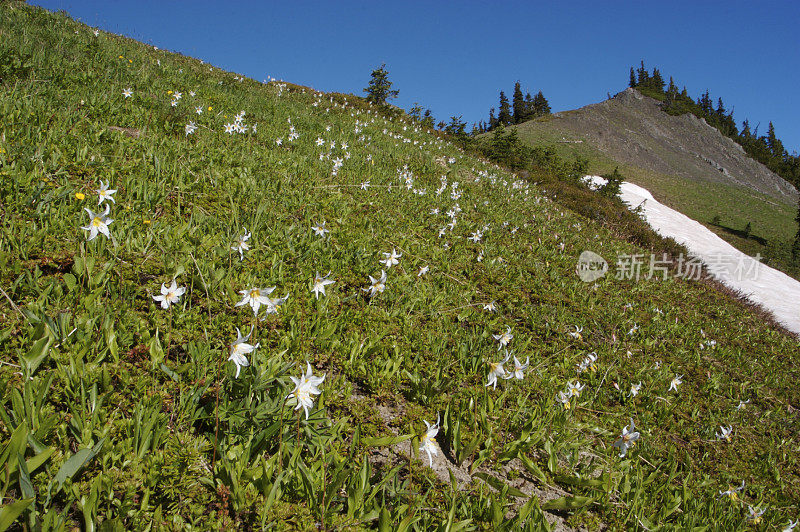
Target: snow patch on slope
x=768, y=287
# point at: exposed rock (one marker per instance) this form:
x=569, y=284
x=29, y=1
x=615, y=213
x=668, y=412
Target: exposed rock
x=632, y=129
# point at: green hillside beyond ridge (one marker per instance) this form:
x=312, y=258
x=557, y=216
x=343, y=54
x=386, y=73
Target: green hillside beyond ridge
x=403, y=270
x=685, y=163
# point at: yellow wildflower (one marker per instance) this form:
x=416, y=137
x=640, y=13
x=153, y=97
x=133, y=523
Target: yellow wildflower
x=80, y=196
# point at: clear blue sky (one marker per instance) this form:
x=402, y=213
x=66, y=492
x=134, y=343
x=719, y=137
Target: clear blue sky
x=455, y=57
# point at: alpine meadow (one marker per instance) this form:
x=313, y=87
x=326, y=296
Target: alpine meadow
x=236, y=305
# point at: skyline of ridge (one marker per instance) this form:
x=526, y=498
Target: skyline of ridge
x=455, y=62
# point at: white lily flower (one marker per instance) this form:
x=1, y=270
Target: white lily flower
x=423, y=270
x=504, y=338
x=105, y=193
x=725, y=433
x=673, y=385
x=577, y=333
x=273, y=305
x=491, y=306
x=390, y=259
x=190, y=128
x=376, y=285
x=732, y=493
x=320, y=229
x=241, y=244
x=239, y=349
x=754, y=514
x=255, y=297
x=588, y=363
x=98, y=223
x=565, y=399
x=635, y=389
x=496, y=370
x=127, y=93
x=170, y=296
x=305, y=388
x=517, y=372
x=791, y=525
x=575, y=389
x=428, y=440
x=319, y=283
x=628, y=439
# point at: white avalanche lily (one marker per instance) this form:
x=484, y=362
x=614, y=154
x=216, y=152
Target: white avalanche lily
x=673, y=385
x=732, y=493
x=564, y=398
x=255, y=297
x=628, y=439
x=376, y=285
x=725, y=433
x=390, y=259
x=273, y=305
x=517, y=372
x=105, y=193
x=754, y=514
x=504, y=338
x=428, y=441
x=239, y=349
x=98, y=223
x=319, y=283
x=241, y=244
x=171, y=295
x=496, y=369
x=635, y=389
x=575, y=389
x=305, y=388
x=320, y=229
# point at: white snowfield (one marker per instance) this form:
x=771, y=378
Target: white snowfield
x=768, y=287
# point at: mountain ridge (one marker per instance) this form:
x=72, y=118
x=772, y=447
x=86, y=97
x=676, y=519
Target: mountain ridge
x=712, y=156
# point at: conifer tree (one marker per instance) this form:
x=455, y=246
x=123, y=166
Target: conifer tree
x=528, y=106
x=644, y=76
x=519, y=104
x=746, y=133
x=632, y=80
x=672, y=87
x=380, y=88
x=541, y=106
x=773, y=143
x=504, y=115
x=656, y=81
x=492, y=119
x=427, y=119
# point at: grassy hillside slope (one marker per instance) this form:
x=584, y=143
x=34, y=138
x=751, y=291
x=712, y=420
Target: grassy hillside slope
x=119, y=414
x=685, y=163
